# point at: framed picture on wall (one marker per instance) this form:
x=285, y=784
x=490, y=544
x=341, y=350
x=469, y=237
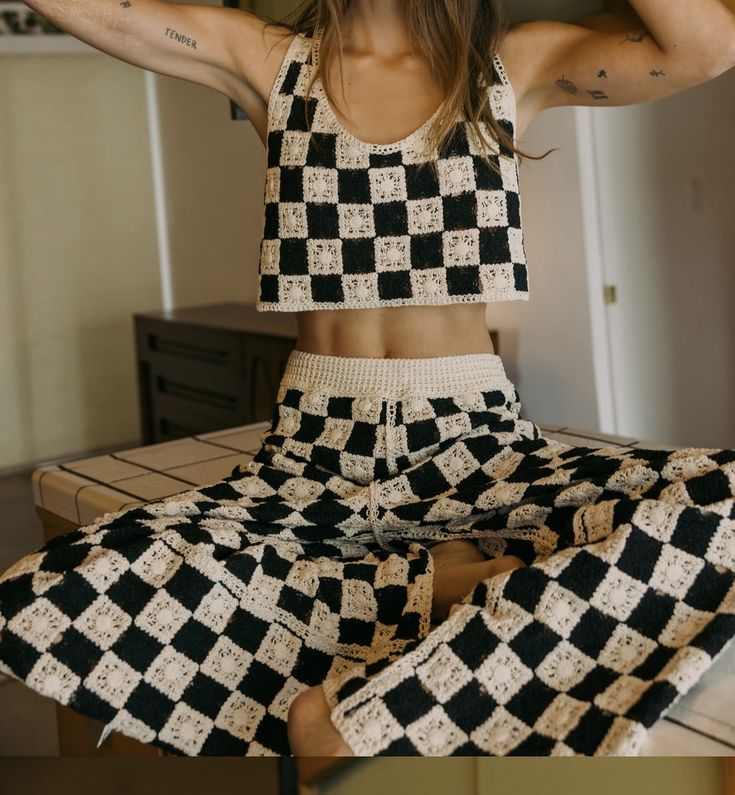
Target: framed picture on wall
x=17, y=19
x=25, y=31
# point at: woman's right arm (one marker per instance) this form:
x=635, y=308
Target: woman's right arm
x=219, y=47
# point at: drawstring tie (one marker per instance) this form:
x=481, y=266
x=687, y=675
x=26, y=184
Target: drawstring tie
x=390, y=421
x=373, y=518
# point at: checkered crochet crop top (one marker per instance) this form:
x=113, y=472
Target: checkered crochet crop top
x=351, y=224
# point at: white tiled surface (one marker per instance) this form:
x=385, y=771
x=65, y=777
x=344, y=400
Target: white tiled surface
x=582, y=441
x=709, y=707
x=604, y=437
x=670, y=739
x=152, y=486
x=587, y=438
x=655, y=445
x=81, y=491
x=210, y=471
x=98, y=500
x=163, y=456
x=105, y=468
x=36, y=479
x=701, y=723
x=59, y=491
x=245, y=438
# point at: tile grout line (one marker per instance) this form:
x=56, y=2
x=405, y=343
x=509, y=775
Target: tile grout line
x=176, y=466
x=699, y=731
x=112, y=484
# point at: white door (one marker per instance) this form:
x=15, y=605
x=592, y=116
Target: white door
x=664, y=211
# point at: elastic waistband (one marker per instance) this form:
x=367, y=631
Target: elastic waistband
x=434, y=376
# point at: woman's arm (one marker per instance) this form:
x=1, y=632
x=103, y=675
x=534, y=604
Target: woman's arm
x=649, y=51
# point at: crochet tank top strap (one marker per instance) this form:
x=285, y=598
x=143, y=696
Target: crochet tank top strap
x=283, y=86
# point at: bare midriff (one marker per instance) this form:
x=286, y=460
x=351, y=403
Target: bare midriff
x=395, y=332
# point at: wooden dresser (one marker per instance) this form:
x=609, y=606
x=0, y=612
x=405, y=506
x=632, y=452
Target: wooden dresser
x=210, y=367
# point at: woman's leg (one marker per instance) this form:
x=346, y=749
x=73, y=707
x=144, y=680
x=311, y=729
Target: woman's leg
x=193, y=632
x=459, y=567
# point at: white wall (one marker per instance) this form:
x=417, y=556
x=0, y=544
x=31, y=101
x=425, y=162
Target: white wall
x=214, y=172
x=670, y=249
x=545, y=342
x=77, y=252
x=78, y=238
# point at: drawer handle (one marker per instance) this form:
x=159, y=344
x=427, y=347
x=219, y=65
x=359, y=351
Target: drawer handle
x=175, y=431
x=186, y=350
x=196, y=394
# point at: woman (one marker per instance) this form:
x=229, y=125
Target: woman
x=406, y=566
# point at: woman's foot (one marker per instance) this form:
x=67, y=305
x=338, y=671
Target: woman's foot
x=458, y=567
x=310, y=730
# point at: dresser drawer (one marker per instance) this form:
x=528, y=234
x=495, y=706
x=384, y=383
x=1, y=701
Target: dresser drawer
x=169, y=347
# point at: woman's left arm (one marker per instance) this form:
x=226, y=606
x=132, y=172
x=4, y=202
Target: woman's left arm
x=657, y=48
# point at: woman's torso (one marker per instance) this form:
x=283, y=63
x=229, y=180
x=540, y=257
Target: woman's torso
x=393, y=332
x=406, y=95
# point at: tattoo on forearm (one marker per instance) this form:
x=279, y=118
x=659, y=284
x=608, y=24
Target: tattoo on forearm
x=126, y=4
x=657, y=73
x=602, y=73
x=597, y=94
x=566, y=85
x=637, y=37
x=180, y=37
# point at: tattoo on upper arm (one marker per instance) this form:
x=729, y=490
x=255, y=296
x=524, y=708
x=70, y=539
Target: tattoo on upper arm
x=637, y=37
x=570, y=88
x=566, y=85
x=657, y=73
x=180, y=37
x=126, y=4
x=602, y=73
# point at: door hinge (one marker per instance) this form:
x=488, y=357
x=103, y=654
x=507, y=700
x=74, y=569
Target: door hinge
x=610, y=294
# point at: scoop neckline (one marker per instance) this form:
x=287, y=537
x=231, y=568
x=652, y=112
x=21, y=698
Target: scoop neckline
x=373, y=147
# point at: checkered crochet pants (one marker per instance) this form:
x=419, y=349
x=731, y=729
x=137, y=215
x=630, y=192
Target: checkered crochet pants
x=191, y=623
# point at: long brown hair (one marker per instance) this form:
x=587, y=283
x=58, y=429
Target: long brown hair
x=458, y=37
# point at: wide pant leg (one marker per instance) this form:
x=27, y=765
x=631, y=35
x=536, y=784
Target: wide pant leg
x=584, y=649
x=192, y=623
